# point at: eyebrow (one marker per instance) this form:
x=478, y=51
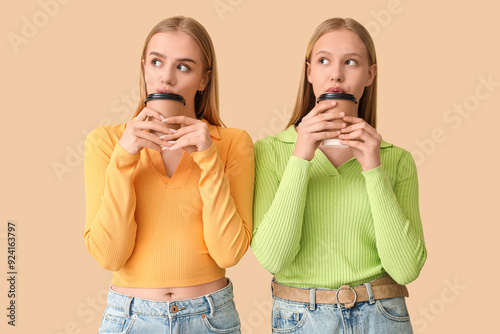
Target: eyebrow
x=186, y=60
x=157, y=54
x=350, y=54
x=182, y=60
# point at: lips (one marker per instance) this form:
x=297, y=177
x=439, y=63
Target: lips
x=163, y=90
x=335, y=90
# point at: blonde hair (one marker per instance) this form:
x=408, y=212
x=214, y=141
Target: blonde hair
x=206, y=105
x=306, y=101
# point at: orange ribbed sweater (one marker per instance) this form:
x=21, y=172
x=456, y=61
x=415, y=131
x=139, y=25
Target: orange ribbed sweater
x=153, y=231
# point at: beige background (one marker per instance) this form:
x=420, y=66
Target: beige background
x=79, y=68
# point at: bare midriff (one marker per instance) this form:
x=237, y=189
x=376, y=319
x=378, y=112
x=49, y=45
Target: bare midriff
x=169, y=294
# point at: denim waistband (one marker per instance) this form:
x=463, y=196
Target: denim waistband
x=175, y=308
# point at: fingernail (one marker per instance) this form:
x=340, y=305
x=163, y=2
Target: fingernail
x=343, y=124
x=165, y=119
x=164, y=136
x=164, y=148
x=171, y=142
x=162, y=116
x=173, y=130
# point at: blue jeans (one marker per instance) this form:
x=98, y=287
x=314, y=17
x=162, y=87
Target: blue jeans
x=382, y=316
x=212, y=313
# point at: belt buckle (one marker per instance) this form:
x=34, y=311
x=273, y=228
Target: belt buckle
x=346, y=305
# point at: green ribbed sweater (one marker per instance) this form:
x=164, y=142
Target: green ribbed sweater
x=320, y=226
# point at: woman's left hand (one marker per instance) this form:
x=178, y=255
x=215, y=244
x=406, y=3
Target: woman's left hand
x=363, y=140
x=193, y=136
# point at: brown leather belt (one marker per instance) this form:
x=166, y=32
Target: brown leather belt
x=383, y=287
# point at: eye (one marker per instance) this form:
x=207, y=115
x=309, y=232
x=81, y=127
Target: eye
x=183, y=68
x=156, y=63
x=351, y=62
x=324, y=61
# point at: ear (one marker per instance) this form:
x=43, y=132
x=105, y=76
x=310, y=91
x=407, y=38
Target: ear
x=372, y=72
x=207, y=76
x=308, y=71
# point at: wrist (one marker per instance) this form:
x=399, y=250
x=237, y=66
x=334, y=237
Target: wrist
x=126, y=148
x=303, y=155
x=370, y=165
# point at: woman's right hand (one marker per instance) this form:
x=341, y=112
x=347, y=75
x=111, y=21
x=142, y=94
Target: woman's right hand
x=322, y=122
x=135, y=138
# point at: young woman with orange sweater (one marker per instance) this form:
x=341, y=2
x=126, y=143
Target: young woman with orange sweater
x=168, y=210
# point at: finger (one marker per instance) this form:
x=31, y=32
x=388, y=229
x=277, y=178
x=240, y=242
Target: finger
x=193, y=139
x=176, y=134
x=149, y=144
x=361, y=122
x=182, y=143
x=147, y=136
x=164, y=128
x=354, y=120
x=331, y=115
x=319, y=108
x=325, y=116
x=361, y=136
x=355, y=135
x=167, y=145
x=325, y=125
x=148, y=112
x=325, y=135
x=352, y=143
x=182, y=120
x=361, y=126
x=199, y=129
x=153, y=126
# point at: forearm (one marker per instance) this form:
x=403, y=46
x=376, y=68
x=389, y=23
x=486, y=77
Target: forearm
x=397, y=225
x=227, y=221
x=110, y=227
x=276, y=241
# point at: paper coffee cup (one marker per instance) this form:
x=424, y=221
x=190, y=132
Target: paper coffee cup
x=166, y=104
x=345, y=103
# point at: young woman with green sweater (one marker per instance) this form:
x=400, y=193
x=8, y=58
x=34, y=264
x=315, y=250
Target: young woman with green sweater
x=339, y=227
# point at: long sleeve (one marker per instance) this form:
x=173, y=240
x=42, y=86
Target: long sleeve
x=110, y=228
x=227, y=193
x=396, y=219
x=278, y=208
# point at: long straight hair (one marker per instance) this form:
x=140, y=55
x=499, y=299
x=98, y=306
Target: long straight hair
x=306, y=101
x=206, y=105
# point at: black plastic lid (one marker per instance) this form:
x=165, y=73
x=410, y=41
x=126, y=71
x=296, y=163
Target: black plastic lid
x=165, y=96
x=336, y=96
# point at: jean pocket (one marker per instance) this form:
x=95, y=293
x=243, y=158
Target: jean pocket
x=225, y=320
x=288, y=317
x=393, y=308
x=115, y=322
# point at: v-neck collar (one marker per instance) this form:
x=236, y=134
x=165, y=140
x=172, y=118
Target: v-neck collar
x=182, y=170
x=327, y=165
x=290, y=136
x=179, y=176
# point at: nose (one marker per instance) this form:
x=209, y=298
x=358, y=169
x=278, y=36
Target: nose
x=167, y=76
x=337, y=74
